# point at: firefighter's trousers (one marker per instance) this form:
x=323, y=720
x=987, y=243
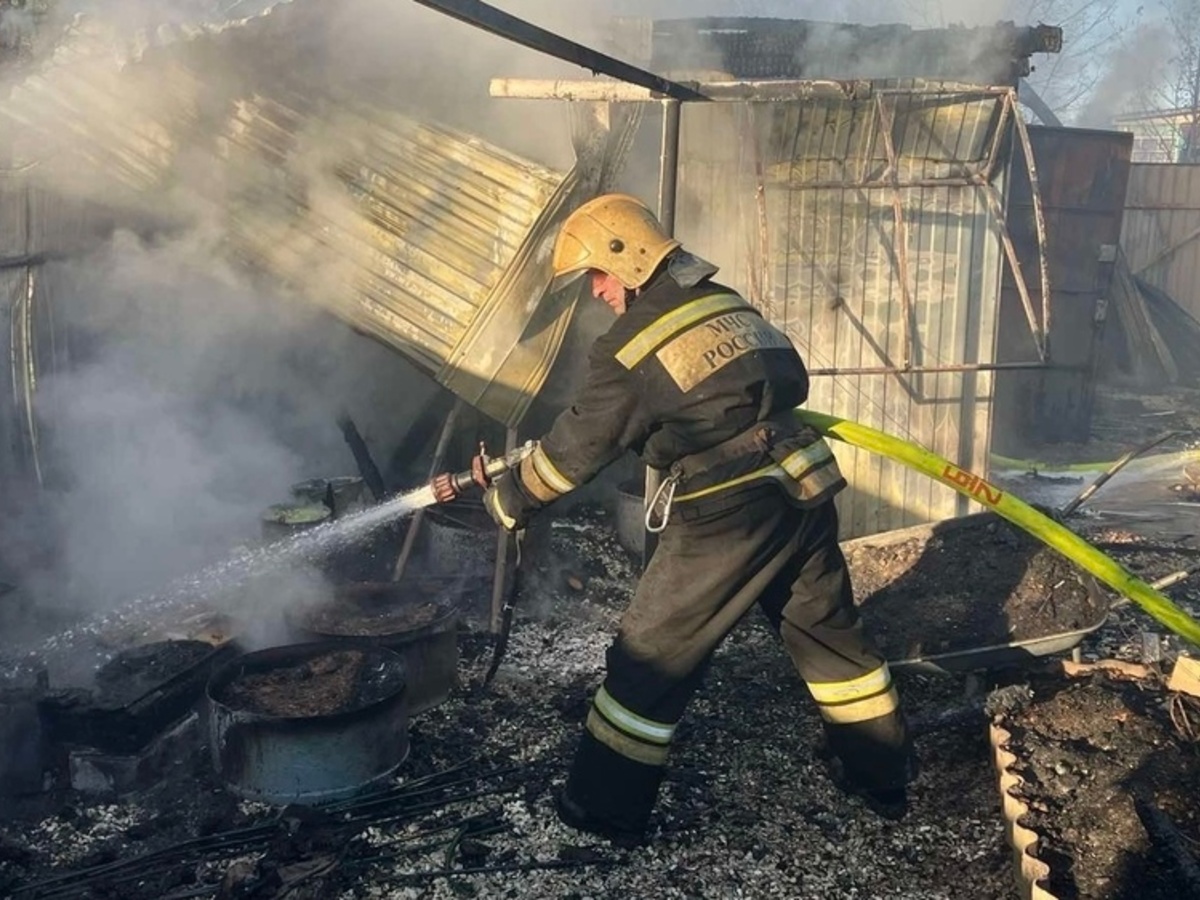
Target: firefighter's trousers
x=706, y=573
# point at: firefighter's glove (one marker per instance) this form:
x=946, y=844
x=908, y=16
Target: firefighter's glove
x=505, y=504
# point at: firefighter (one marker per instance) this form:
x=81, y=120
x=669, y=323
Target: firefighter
x=693, y=379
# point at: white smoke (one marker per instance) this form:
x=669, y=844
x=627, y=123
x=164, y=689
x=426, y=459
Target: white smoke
x=193, y=403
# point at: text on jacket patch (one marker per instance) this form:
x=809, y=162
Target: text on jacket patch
x=708, y=347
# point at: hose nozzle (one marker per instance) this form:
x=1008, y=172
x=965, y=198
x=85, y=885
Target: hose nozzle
x=449, y=486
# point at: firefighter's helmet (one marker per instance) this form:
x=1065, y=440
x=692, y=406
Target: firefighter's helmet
x=615, y=233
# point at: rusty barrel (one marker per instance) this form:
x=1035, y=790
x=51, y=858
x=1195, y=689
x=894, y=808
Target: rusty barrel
x=308, y=723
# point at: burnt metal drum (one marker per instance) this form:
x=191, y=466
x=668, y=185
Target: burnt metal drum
x=308, y=723
x=136, y=696
x=414, y=618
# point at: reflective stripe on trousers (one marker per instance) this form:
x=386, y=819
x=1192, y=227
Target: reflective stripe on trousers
x=856, y=699
x=627, y=733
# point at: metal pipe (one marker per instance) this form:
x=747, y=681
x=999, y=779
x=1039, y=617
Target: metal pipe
x=668, y=184
x=668, y=172
x=498, y=22
x=936, y=370
x=1031, y=98
x=755, y=90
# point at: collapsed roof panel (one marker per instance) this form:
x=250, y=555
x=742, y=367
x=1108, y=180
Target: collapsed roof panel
x=428, y=239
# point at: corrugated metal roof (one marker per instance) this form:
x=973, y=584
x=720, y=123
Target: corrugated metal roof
x=87, y=103
x=804, y=190
x=428, y=239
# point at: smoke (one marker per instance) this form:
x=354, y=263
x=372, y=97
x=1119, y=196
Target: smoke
x=1131, y=73
x=193, y=402
x=196, y=395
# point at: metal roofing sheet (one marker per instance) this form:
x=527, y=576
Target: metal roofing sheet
x=817, y=244
x=406, y=230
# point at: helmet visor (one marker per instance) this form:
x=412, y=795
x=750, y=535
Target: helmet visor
x=565, y=280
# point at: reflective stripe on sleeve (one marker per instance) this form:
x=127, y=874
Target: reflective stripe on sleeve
x=670, y=324
x=542, y=478
x=492, y=500
x=549, y=472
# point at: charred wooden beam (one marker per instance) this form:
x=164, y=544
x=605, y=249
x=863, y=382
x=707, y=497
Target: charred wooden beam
x=362, y=457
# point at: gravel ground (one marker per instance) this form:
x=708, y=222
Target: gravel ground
x=747, y=809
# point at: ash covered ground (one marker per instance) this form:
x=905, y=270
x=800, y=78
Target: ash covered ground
x=747, y=809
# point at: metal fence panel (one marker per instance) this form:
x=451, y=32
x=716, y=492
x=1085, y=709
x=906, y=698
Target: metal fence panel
x=803, y=200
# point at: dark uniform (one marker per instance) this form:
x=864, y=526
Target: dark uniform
x=699, y=385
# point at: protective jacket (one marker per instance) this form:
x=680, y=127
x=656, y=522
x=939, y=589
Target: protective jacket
x=698, y=384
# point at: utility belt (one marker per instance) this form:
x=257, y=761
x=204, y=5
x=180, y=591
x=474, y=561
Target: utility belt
x=792, y=453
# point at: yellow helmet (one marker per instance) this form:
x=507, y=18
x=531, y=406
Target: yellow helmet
x=615, y=233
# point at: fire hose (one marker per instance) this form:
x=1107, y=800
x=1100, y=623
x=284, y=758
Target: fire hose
x=1015, y=510
x=484, y=469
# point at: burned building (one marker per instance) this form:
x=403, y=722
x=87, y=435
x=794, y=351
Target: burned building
x=862, y=198
x=864, y=206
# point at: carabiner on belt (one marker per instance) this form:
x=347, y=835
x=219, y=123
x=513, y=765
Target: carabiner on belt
x=660, y=503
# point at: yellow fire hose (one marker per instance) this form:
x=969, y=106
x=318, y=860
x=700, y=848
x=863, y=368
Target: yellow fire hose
x=1016, y=511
